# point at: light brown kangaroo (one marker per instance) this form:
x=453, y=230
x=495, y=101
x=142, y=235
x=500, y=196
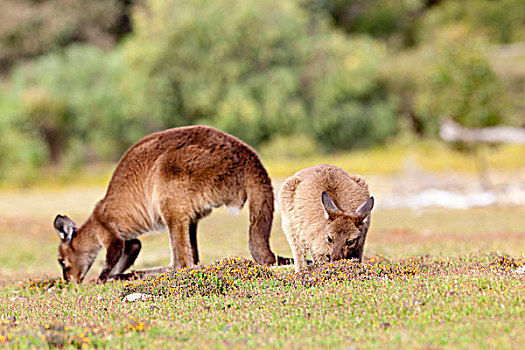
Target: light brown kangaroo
x=327, y=211
x=170, y=179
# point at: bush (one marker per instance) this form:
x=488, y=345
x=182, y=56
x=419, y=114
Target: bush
x=261, y=69
x=21, y=153
x=463, y=86
x=497, y=21
x=350, y=107
x=379, y=18
x=79, y=104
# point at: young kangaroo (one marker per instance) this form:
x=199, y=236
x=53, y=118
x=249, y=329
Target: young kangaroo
x=326, y=211
x=170, y=179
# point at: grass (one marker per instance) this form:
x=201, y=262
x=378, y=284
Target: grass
x=428, y=155
x=29, y=242
x=472, y=301
x=430, y=281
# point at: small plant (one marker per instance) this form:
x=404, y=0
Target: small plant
x=505, y=262
x=59, y=335
x=218, y=278
x=347, y=270
x=7, y=328
x=39, y=285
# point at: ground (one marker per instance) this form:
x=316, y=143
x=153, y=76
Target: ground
x=460, y=296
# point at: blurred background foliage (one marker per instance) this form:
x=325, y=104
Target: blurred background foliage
x=82, y=81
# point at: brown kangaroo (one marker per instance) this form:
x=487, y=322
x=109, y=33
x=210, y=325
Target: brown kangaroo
x=172, y=179
x=326, y=211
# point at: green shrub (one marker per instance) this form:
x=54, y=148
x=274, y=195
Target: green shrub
x=349, y=105
x=379, y=18
x=497, y=21
x=79, y=104
x=261, y=69
x=21, y=153
x=463, y=86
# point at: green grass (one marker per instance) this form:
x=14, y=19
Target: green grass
x=460, y=297
x=468, y=302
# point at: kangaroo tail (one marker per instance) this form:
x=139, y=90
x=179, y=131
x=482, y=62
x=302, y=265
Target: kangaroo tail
x=260, y=197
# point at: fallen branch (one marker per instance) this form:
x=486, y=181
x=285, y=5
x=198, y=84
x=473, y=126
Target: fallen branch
x=451, y=131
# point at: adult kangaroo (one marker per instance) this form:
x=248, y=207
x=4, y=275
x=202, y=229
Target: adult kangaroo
x=172, y=179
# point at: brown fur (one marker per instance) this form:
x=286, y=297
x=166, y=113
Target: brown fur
x=330, y=226
x=171, y=179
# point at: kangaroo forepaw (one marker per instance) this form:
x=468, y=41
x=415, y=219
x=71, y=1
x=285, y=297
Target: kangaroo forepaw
x=284, y=261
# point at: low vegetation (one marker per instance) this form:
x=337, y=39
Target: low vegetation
x=414, y=302
x=218, y=278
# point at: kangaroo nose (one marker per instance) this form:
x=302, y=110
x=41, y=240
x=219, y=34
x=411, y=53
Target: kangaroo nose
x=328, y=257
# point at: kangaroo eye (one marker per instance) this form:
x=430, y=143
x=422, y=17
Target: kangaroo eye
x=350, y=243
x=329, y=239
x=62, y=262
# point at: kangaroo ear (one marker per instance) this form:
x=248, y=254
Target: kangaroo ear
x=364, y=209
x=65, y=227
x=330, y=209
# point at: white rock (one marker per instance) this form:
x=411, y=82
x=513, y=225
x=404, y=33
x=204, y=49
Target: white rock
x=17, y=297
x=520, y=270
x=136, y=296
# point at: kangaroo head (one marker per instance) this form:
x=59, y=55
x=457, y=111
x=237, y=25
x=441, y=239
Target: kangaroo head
x=75, y=256
x=344, y=231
